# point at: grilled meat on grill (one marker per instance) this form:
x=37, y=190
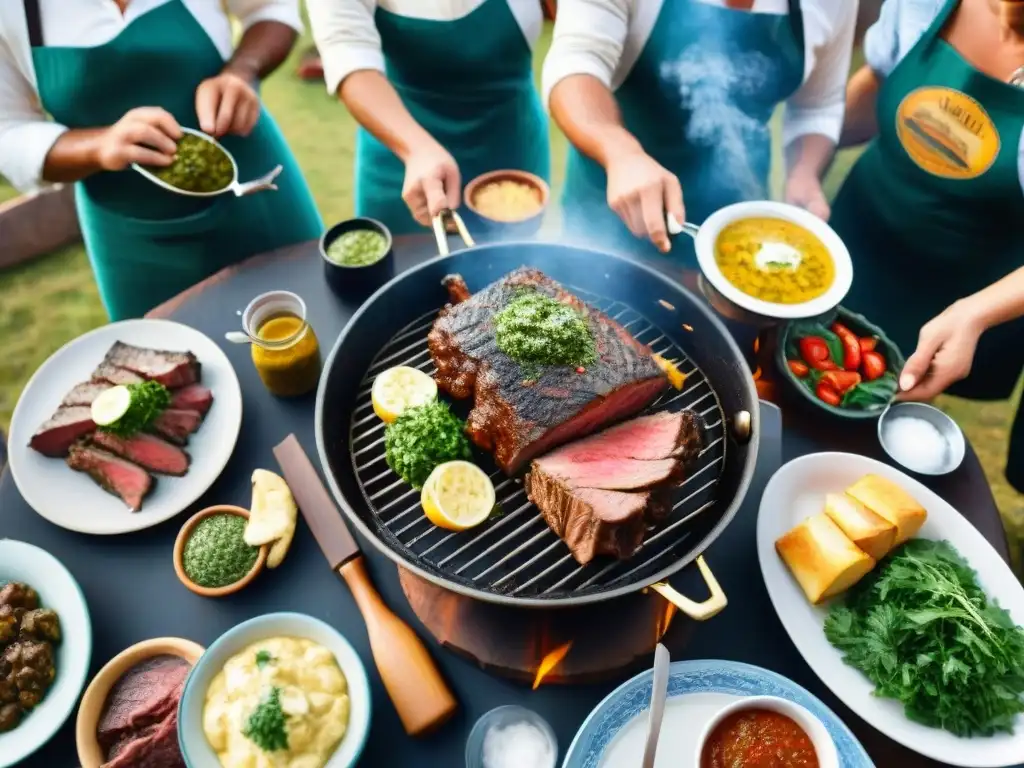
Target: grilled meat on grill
x=519, y=414
x=172, y=369
x=114, y=475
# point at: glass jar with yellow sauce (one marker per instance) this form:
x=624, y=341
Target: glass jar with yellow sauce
x=285, y=349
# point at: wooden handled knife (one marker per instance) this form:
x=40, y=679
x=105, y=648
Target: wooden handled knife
x=413, y=681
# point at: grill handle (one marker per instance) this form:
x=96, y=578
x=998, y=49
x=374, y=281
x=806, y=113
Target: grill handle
x=696, y=611
x=441, y=230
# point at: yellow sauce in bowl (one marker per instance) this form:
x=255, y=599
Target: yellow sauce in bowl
x=774, y=260
x=507, y=200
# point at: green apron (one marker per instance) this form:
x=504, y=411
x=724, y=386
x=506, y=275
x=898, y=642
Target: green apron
x=469, y=83
x=147, y=244
x=699, y=104
x=932, y=211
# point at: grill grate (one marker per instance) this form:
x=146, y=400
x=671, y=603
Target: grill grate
x=516, y=554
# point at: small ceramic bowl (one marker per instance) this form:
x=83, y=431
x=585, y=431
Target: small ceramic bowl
x=787, y=349
x=502, y=228
x=90, y=754
x=58, y=591
x=179, y=550
x=828, y=757
x=956, y=446
x=502, y=717
x=357, y=281
x=194, y=746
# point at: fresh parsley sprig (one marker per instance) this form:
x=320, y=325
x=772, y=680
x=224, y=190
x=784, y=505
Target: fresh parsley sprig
x=266, y=725
x=148, y=400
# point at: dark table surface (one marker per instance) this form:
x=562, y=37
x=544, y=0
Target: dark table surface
x=133, y=593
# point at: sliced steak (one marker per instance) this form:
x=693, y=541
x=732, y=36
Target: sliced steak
x=113, y=375
x=148, y=451
x=520, y=413
x=658, y=436
x=85, y=393
x=611, y=474
x=194, y=397
x=115, y=475
x=176, y=424
x=56, y=436
x=172, y=369
x=158, y=748
x=144, y=696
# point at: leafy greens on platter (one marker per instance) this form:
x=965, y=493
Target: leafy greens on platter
x=923, y=631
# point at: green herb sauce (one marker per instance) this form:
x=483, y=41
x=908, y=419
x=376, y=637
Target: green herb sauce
x=534, y=329
x=422, y=438
x=266, y=725
x=148, y=400
x=216, y=554
x=358, y=248
x=199, y=166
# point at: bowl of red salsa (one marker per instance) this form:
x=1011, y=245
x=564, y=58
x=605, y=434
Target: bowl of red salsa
x=765, y=732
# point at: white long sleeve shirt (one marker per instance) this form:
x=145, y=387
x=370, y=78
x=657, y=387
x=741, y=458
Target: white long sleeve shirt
x=899, y=27
x=605, y=38
x=26, y=133
x=347, y=38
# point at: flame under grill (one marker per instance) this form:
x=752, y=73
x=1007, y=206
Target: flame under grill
x=516, y=555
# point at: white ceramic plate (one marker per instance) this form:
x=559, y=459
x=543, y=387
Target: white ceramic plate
x=191, y=737
x=71, y=499
x=58, y=591
x=797, y=491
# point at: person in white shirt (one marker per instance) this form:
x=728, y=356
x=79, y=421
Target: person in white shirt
x=444, y=92
x=667, y=104
x=90, y=87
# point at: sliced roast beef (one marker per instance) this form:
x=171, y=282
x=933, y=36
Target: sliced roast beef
x=85, y=393
x=172, y=369
x=144, y=696
x=194, y=397
x=611, y=474
x=113, y=375
x=521, y=412
x=148, y=451
x=658, y=436
x=157, y=748
x=55, y=437
x=115, y=475
x=176, y=424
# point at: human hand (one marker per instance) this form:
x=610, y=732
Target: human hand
x=804, y=190
x=432, y=182
x=944, y=354
x=146, y=135
x=227, y=103
x=640, y=191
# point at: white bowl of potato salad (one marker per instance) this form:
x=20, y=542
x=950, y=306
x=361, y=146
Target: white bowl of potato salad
x=283, y=690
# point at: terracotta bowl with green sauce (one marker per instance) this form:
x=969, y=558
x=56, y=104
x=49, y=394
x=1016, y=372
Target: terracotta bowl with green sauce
x=210, y=556
x=358, y=256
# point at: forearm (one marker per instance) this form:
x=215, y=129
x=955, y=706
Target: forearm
x=376, y=106
x=585, y=109
x=999, y=303
x=861, y=120
x=73, y=156
x=262, y=49
x=810, y=155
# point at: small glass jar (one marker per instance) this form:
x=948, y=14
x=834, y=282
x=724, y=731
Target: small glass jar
x=285, y=349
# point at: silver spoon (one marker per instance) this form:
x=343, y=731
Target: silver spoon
x=659, y=690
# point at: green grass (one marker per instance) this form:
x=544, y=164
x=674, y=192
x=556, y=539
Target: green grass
x=53, y=299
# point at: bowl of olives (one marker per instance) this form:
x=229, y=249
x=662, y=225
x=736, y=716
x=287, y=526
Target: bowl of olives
x=202, y=167
x=358, y=256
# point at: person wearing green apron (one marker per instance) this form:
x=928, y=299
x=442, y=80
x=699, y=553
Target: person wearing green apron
x=932, y=210
x=667, y=104
x=119, y=78
x=443, y=92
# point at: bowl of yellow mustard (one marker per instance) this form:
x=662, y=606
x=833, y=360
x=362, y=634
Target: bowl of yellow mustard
x=506, y=204
x=281, y=689
x=767, y=261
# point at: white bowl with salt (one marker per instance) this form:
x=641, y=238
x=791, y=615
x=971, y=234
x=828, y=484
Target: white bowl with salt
x=921, y=438
x=511, y=737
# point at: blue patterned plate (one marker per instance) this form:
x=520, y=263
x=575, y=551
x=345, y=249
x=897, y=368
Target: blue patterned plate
x=613, y=735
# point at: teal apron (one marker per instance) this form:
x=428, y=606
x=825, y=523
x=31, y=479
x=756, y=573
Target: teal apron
x=469, y=83
x=715, y=139
x=147, y=244
x=932, y=210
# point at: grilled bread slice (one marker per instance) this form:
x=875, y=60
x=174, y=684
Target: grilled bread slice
x=889, y=500
x=822, y=558
x=870, y=532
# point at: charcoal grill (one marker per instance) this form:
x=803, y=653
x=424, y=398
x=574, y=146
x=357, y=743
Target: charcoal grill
x=514, y=558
